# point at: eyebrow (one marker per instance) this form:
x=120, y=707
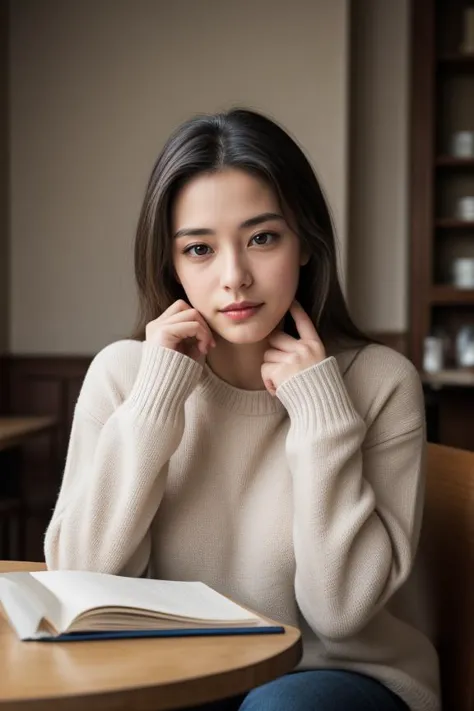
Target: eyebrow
x=251, y=222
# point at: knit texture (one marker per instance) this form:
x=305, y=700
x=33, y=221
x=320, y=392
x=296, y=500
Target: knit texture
x=306, y=506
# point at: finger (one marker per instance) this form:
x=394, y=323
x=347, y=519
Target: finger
x=282, y=341
x=192, y=350
x=191, y=329
x=190, y=315
x=266, y=373
x=200, y=358
x=176, y=307
x=304, y=325
x=275, y=356
x=187, y=315
x=270, y=387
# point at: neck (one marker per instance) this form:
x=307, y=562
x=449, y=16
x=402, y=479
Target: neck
x=239, y=365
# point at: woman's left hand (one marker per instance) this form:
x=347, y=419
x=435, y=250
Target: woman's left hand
x=288, y=356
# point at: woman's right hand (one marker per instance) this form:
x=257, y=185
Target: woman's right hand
x=181, y=328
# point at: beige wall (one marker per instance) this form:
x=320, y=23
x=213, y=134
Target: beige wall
x=95, y=89
x=4, y=190
x=378, y=221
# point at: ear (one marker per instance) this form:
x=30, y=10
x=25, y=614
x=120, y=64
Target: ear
x=304, y=259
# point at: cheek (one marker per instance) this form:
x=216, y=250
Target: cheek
x=286, y=275
x=196, y=289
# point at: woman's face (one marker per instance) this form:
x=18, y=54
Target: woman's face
x=232, y=244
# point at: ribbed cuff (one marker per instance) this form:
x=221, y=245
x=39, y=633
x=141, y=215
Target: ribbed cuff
x=164, y=380
x=317, y=400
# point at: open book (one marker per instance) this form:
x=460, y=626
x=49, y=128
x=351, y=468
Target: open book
x=71, y=605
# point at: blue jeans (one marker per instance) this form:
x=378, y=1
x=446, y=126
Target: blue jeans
x=320, y=690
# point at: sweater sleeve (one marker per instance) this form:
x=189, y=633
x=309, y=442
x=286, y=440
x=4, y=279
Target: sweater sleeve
x=358, y=491
x=117, y=460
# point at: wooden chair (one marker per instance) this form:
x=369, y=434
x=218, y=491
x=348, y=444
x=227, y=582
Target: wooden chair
x=449, y=526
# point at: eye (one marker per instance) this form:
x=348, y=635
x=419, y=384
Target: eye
x=197, y=250
x=265, y=238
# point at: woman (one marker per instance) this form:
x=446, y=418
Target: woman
x=250, y=436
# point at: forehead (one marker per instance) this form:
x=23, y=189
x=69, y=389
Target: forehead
x=226, y=197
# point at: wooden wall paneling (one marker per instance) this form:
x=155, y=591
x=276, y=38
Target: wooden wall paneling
x=450, y=30
x=456, y=417
x=46, y=385
x=422, y=150
x=450, y=416
x=4, y=370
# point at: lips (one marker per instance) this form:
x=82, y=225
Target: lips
x=241, y=311
x=241, y=306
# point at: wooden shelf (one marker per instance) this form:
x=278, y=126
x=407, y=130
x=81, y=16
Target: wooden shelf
x=446, y=294
x=441, y=88
x=446, y=161
x=464, y=62
x=448, y=223
x=459, y=377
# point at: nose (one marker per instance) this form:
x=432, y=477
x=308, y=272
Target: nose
x=235, y=271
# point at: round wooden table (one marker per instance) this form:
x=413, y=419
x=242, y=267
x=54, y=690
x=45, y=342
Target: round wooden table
x=135, y=675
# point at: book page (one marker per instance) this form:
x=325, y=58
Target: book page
x=80, y=591
x=27, y=602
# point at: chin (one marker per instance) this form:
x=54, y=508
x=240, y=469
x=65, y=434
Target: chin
x=242, y=341
x=245, y=335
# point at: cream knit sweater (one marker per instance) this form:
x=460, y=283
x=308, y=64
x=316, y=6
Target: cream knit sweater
x=306, y=507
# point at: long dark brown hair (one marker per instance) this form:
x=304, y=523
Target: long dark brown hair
x=246, y=140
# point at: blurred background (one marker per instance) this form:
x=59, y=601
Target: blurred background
x=379, y=94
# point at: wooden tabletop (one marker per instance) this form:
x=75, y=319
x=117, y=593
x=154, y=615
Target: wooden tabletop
x=136, y=674
x=15, y=430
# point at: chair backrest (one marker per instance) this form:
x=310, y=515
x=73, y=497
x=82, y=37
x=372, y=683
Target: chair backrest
x=449, y=525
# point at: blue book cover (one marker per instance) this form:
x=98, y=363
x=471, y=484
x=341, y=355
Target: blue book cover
x=134, y=634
